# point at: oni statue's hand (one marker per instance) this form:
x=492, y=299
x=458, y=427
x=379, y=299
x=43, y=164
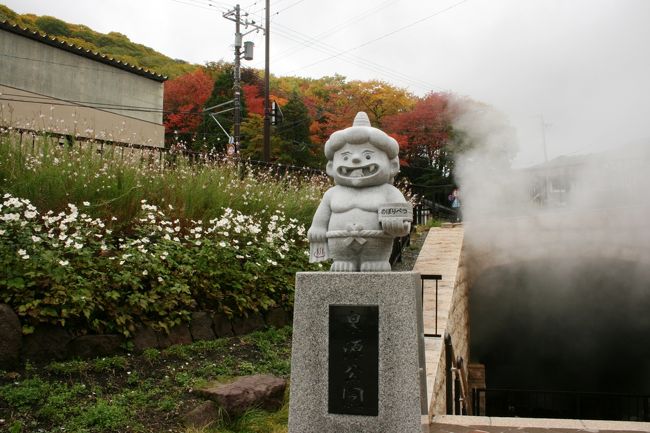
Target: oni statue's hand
x=316, y=234
x=396, y=227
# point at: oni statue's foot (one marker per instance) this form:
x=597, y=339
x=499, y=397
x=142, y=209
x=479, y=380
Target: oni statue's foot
x=343, y=266
x=378, y=266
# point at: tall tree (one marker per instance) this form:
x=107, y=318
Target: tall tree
x=183, y=103
x=297, y=148
x=253, y=146
x=210, y=134
x=379, y=99
x=424, y=132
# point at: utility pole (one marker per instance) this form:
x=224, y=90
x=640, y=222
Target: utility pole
x=544, y=126
x=547, y=186
x=235, y=15
x=237, y=78
x=267, y=105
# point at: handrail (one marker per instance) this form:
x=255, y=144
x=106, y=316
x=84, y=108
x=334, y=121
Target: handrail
x=456, y=389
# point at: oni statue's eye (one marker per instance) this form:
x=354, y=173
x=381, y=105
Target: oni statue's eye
x=345, y=158
x=368, y=156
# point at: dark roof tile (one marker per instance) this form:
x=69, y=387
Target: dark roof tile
x=61, y=44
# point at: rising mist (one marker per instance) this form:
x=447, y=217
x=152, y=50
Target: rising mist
x=559, y=256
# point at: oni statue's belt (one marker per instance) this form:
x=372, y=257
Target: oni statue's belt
x=359, y=236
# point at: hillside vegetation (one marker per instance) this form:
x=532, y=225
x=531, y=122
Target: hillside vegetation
x=113, y=44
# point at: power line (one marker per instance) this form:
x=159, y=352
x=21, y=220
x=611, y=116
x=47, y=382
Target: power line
x=385, y=35
x=200, y=5
x=289, y=7
x=357, y=61
x=98, y=105
x=329, y=32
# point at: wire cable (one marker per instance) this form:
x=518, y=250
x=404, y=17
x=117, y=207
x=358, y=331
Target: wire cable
x=385, y=35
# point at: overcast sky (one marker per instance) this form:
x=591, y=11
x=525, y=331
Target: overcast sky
x=581, y=65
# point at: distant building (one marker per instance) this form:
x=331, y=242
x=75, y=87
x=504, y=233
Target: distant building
x=49, y=85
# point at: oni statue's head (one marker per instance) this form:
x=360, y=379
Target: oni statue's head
x=361, y=156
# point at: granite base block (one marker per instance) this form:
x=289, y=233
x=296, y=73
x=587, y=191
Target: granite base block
x=395, y=294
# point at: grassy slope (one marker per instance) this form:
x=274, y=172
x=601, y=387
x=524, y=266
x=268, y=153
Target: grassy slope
x=113, y=44
x=148, y=392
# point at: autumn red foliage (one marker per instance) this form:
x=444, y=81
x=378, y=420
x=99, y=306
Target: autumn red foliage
x=254, y=95
x=424, y=130
x=184, y=100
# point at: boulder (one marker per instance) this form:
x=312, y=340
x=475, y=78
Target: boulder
x=222, y=326
x=179, y=334
x=277, y=318
x=47, y=343
x=201, y=326
x=144, y=338
x=246, y=325
x=201, y=416
x=259, y=391
x=94, y=346
x=11, y=338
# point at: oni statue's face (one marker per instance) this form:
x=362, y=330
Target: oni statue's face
x=361, y=165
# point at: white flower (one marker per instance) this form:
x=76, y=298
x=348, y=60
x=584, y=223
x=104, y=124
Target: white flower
x=86, y=203
x=78, y=245
x=25, y=257
x=222, y=244
x=160, y=280
x=30, y=214
x=22, y=252
x=11, y=217
x=197, y=243
x=145, y=272
x=2, y=232
x=35, y=239
x=64, y=262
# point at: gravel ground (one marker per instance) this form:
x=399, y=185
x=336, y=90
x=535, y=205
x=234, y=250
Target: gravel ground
x=410, y=253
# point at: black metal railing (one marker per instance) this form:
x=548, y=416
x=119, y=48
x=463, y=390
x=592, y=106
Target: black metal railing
x=398, y=247
x=436, y=278
x=421, y=336
x=456, y=382
x=560, y=404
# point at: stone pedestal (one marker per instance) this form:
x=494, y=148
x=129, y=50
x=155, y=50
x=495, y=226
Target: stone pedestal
x=353, y=332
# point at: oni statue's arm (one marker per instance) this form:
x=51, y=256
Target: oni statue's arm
x=317, y=231
x=395, y=227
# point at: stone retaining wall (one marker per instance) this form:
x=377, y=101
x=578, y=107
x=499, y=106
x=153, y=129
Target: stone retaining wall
x=51, y=343
x=457, y=326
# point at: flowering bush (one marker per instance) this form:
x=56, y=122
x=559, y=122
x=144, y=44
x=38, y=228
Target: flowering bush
x=68, y=268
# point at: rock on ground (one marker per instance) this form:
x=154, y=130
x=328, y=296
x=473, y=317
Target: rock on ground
x=259, y=391
x=202, y=416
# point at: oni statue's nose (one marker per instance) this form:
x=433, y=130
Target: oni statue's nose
x=356, y=159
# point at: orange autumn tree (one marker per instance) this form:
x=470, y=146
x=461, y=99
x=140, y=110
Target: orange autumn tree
x=183, y=103
x=424, y=134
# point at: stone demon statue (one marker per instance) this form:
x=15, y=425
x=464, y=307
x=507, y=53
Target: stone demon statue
x=358, y=218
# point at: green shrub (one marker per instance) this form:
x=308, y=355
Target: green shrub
x=207, y=237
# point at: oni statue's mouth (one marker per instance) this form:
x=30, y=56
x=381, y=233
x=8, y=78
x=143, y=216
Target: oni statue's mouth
x=356, y=172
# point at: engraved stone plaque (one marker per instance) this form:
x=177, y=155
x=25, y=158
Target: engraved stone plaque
x=353, y=375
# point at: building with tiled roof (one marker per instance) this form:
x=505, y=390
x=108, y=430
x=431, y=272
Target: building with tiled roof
x=47, y=84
